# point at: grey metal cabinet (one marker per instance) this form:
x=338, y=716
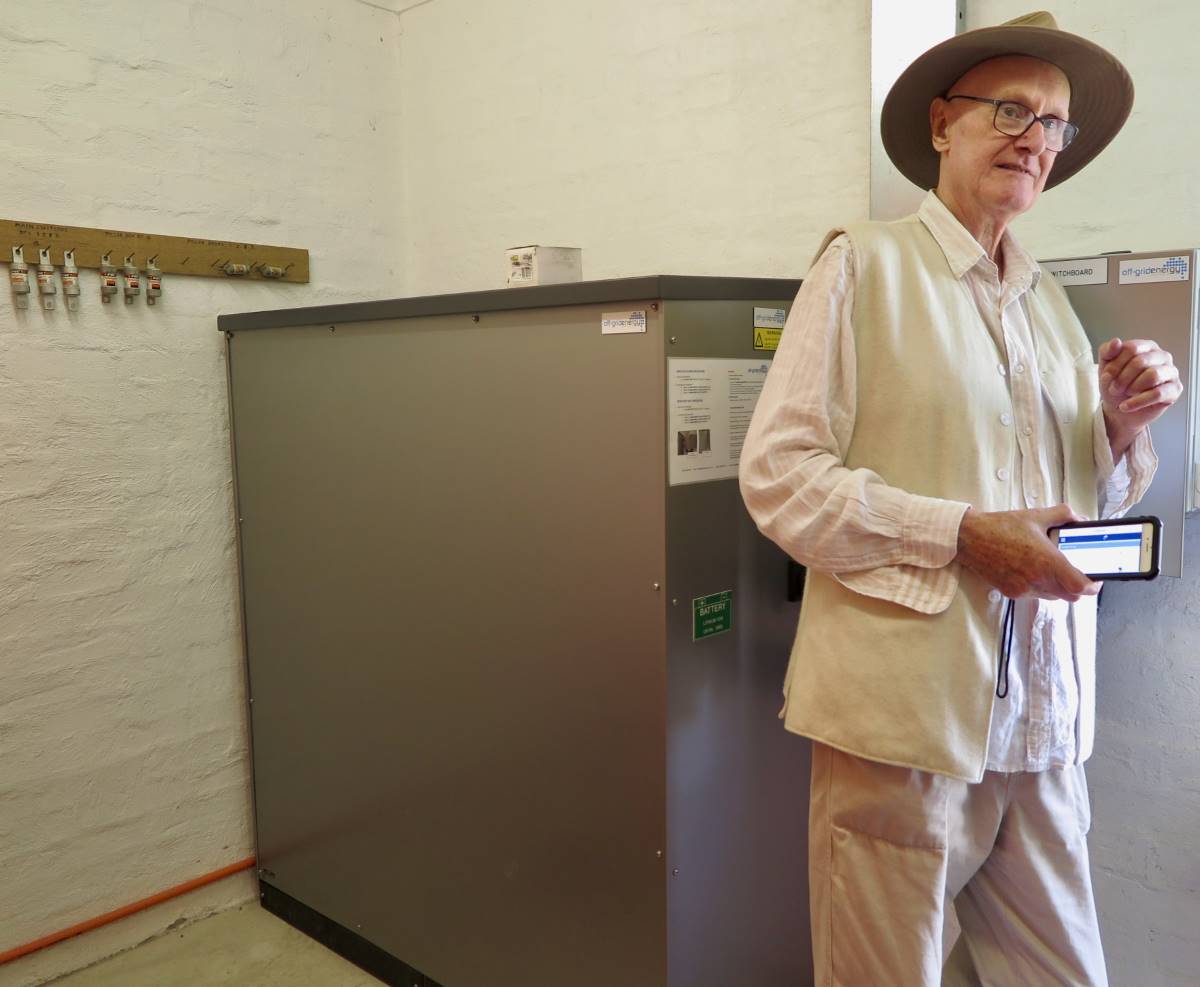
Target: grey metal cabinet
x=515, y=692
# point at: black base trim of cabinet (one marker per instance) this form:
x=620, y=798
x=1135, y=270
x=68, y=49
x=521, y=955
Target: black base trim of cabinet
x=347, y=944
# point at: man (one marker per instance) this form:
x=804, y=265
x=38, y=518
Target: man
x=932, y=410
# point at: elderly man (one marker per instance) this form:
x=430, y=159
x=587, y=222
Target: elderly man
x=932, y=410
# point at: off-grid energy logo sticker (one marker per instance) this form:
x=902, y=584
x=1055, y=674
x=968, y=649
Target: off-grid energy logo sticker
x=1151, y=269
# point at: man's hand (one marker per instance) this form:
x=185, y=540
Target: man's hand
x=1011, y=551
x=1138, y=382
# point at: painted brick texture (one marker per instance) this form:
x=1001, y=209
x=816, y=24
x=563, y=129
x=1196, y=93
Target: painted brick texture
x=123, y=747
x=662, y=138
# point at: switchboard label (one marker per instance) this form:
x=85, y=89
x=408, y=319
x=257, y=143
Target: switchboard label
x=1069, y=272
x=712, y=614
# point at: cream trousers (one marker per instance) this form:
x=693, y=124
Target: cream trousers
x=900, y=859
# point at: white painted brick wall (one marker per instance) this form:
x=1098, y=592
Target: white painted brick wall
x=664, y=137
x=123, y=765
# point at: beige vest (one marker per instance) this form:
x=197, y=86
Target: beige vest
x=879, y=679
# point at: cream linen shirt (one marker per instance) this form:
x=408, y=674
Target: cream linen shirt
x=853, y=524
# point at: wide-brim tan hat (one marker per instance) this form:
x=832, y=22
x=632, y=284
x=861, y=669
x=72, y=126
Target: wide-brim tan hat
x=1101, y=92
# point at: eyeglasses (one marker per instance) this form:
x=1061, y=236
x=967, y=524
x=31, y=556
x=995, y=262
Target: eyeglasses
x=1014, y=119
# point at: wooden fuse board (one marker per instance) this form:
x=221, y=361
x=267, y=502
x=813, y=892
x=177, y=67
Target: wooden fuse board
x=172, y=254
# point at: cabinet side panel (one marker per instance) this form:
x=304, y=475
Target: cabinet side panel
x=451, y=536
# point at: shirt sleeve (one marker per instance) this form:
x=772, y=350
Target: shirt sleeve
x=874, y=538
x=1122, y=484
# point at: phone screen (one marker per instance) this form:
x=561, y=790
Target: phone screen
x=1104, y=548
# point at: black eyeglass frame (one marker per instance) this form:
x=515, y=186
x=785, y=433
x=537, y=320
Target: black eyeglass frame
x=1070, y=131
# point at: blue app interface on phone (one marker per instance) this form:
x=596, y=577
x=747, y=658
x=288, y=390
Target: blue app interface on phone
x=1108, y=549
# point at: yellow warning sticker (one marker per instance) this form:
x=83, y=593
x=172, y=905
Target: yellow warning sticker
x=767, y=339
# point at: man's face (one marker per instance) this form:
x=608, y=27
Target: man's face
x=981, y=168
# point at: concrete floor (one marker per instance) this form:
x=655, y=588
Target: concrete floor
x=244, y=946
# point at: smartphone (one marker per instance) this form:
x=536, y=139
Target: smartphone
x=1120, y=548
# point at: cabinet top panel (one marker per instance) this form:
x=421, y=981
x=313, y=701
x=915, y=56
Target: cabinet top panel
x=657, y=286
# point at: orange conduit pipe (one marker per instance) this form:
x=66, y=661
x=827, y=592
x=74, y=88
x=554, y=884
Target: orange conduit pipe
x=137, y=906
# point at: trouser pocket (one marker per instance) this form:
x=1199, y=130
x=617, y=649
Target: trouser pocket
x=878, y=866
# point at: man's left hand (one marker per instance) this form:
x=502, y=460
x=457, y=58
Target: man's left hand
x=1138, y=382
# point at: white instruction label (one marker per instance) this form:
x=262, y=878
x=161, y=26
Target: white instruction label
x=769, y=318
x=710, y=404
x=1068, y=272
x=1151, y=269
x=618, y=322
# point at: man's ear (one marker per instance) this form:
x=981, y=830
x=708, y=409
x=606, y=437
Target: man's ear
x=939, y=123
